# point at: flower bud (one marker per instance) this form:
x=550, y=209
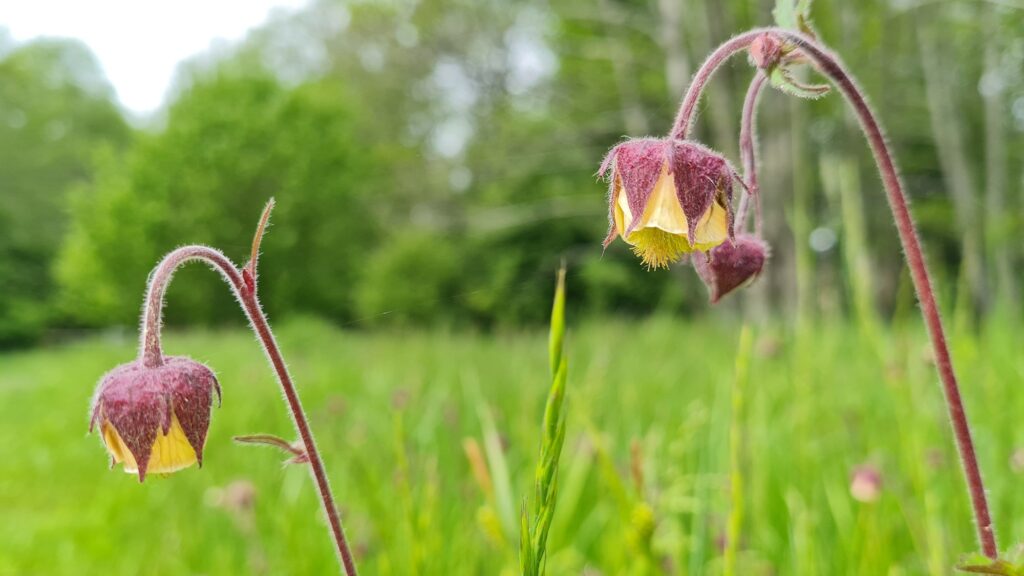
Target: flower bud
x=731, y=264
x=155, y=419
x=668, y=198
x=866, y=483
x=766, y=51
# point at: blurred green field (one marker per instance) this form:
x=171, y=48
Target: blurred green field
x=649, y=420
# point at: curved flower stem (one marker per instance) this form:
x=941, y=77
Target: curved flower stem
x=748, y=154
x=152, y=355
x=830, y=65
x=684, y=118
x=150, y=349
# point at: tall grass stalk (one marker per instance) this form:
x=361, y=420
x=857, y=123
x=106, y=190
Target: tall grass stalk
x=800, y=216
x=533, y=535
x=736, y=443
x=840, y=173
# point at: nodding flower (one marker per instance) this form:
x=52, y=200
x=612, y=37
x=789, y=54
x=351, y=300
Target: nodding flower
x=668, y=198
x=155, y=419
x=866, y=483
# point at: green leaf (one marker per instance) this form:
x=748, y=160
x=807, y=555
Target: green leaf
x=794, y=15
x=533, y=536
x=526, y=562
x=781, y=78
x=785, y=14
x=556, y=396
x=499, y=469
x=557, y=336
x=1015, y=556
x=981, y=564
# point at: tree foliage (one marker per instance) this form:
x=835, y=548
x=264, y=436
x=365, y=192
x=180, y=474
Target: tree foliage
x=233, y=139
x=56, y=110
x=436, y=160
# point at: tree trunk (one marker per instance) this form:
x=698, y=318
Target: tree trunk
x=956, y=169
x=997, y=226
x=677, y=64
x=841, y=177
x=623, y=65
x=709, y=26
x=800, y=218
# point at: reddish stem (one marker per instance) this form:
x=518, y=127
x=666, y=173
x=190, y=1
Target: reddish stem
x=748, y=154
x=684, y=119
x=152, y=355
x=830, y=65
x=150, y=351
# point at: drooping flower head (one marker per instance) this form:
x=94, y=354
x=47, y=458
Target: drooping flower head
x=668, y=198
x=155, y=419
x=731, y=264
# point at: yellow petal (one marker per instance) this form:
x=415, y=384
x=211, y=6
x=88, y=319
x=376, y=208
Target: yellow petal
x=118, y=451
x=712, y=229
x=663, y=210
x=171, y=452
x=660, y=237
x=621, y=212
x=623, y=217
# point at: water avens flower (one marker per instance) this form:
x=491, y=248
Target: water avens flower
x=154, y=419
x=668, y=198
x=866, y=484
x=154, y=413
x=731, y=264
x=638, y=166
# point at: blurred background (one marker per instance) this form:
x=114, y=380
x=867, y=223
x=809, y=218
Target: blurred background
x=433, y=161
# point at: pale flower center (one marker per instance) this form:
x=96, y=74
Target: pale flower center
x=660, y=237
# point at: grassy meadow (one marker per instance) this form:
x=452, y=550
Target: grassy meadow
x=644, y=486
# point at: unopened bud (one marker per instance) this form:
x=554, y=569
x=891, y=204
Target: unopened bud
x=866, y=484
x=766, y=51
x=731, y=264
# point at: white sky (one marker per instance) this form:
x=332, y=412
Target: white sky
x=139, y=42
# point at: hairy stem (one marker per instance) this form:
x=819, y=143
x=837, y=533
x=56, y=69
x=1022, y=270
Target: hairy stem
x=830, y=65
x=684, y=118
x=152, y=355
x=150, y=350
x=748, y=154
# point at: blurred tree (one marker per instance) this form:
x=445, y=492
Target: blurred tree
x=412, y=279
x=487, y=141
x=56, y=110
x=388, y=130
x=956, y=166
x=1003, y=68
x=233, y=139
